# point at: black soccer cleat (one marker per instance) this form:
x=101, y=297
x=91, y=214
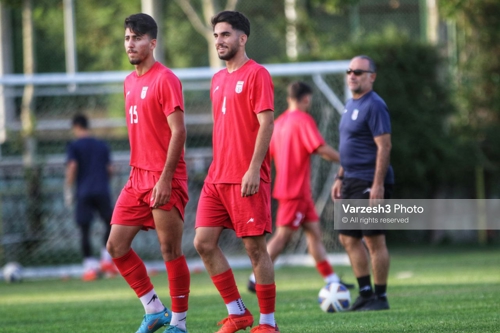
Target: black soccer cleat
x=375, y=304
x=360, y=302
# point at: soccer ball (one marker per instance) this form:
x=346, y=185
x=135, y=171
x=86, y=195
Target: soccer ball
x=12, y=272
x=334, y=297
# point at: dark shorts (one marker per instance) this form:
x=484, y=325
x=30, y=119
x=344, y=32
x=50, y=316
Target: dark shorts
x=87, y=205
x=353, y=188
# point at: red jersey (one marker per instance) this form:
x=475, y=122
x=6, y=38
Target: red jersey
x=295, y=138
x=237, y=98
x=149, y=99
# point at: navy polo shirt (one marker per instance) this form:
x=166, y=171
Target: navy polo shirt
x=363, y=119
x=93, y=157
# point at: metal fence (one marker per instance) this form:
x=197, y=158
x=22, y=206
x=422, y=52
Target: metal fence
x=35, y=226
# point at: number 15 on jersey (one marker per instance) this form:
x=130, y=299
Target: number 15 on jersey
x=134, y=116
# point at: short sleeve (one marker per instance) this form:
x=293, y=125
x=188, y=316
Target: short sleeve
x=310, y=135
x=170, y=94
x=70, y=152
x=379, y=120
x=262, y=93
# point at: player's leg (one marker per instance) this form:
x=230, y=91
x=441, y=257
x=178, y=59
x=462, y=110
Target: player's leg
x=253, y=235
x=206, y=243
x=352, y=242
x=169, y=228
x=288, y=220
x=265, y=286
x=102, y=204
x=380, y=259
x=317, y=250
x=275, y=246
x=129, y=217
x=211, y=218
x=281, y=237
x=84, y=216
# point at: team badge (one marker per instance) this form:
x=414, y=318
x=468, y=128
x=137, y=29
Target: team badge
x=239, y=86
x=355, y=114
x=143, y=92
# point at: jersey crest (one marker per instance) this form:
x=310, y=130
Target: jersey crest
x=354, y=115
x=143, y=92
x=239, y=86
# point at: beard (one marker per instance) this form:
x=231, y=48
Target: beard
x=135, y=61
x=228, y=56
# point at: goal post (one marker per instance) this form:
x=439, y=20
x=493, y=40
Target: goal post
x=58, y=96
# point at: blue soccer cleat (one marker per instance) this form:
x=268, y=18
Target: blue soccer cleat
x=174, y=329
x=152, y=322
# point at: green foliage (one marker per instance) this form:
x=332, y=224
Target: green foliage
x=334, y=6
x=426, y=156
x=477, y=79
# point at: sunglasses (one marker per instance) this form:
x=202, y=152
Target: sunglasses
x=357, y=72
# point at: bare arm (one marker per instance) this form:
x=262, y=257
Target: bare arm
x=337, y=185
x=251, y=180
x=163, y=188
x=384, y=146
x=69, y=181
x=328, y=153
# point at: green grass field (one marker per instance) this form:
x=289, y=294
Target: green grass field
x=430, y=290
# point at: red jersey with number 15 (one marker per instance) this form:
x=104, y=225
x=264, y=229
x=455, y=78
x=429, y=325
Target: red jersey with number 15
x=149, y=100
x=237, y=98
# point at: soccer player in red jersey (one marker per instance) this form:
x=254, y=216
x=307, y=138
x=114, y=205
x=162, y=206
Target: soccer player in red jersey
x=156, y=193
x=237, y=191
x=295, y=139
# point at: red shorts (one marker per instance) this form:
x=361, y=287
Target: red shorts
x=221, y=205
x=133, y=206
x=293, y=212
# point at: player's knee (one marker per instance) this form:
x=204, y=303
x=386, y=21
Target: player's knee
x=170, y=251
x=115, y=249
x=255, y=252
x=203, y=246
x=348, y=242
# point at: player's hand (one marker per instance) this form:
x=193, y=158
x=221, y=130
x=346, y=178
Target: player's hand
x=250, y=183
x=336, y=189
x=376, y=195
x=68, y=197
x=161, y=193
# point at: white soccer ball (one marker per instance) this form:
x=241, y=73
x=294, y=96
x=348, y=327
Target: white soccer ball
x=12, y=272
x=334, y=297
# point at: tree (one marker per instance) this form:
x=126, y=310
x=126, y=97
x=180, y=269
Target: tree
x=477, y=80
x=201, y=22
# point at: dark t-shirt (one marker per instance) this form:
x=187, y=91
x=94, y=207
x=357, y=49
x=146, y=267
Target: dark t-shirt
x=92, y=157
x=363, y=119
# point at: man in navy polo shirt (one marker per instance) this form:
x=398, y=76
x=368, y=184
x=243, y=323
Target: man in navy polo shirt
x=365, y=173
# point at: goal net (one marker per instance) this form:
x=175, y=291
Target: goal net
x=36, y=228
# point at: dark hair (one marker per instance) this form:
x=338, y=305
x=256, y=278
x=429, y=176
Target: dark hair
x=371, y=63
x=142, y=24
x=80, y=120
x=298, y=90
x=236, y=19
